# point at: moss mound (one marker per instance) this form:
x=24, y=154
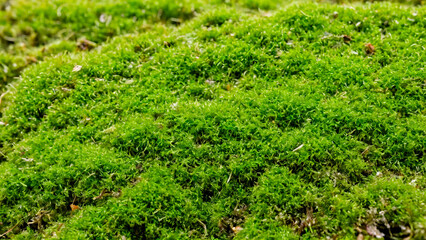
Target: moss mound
x=32, y=30
x=307, y=122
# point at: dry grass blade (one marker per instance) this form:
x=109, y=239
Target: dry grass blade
x=101, y=195
x=2, y=95
x=298, y=148
x=204, y=226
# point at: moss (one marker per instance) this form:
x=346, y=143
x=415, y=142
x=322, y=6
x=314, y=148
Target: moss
x=34, y=30
x=233, y=125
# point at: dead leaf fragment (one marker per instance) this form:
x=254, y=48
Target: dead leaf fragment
x=31, y=59
x=116, y=194
x=210, y=82
x=237, y=229
x=74, y=207
x=136, y=181
x=100, y=196
x=66, y=89
x=360, y=237
x=59, y=227
x=104, y=18
x=85, y=45
x=77, y=68
x=369, y=48
x=176, y=20
x=347, y=38
x=38, y=219
x=308, y=221
x=373, y=231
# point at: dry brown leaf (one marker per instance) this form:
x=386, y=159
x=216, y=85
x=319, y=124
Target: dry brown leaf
x=369, y=48
x=74, y=207
x=347, y=38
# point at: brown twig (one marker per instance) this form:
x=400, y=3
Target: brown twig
x=59, y=227
x=10, y=230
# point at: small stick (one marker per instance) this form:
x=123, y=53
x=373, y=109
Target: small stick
x=10, y=230
x=59, y=227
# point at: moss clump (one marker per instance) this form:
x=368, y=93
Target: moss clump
x=233, y=125
x=31, y=27
x=32, y=30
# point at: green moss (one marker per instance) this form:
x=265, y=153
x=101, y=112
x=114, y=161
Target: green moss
x=29, y=27
x=234, y=124
x=33, y=30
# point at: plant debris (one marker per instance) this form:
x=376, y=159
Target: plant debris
x=77, y=68
x=369, y=49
